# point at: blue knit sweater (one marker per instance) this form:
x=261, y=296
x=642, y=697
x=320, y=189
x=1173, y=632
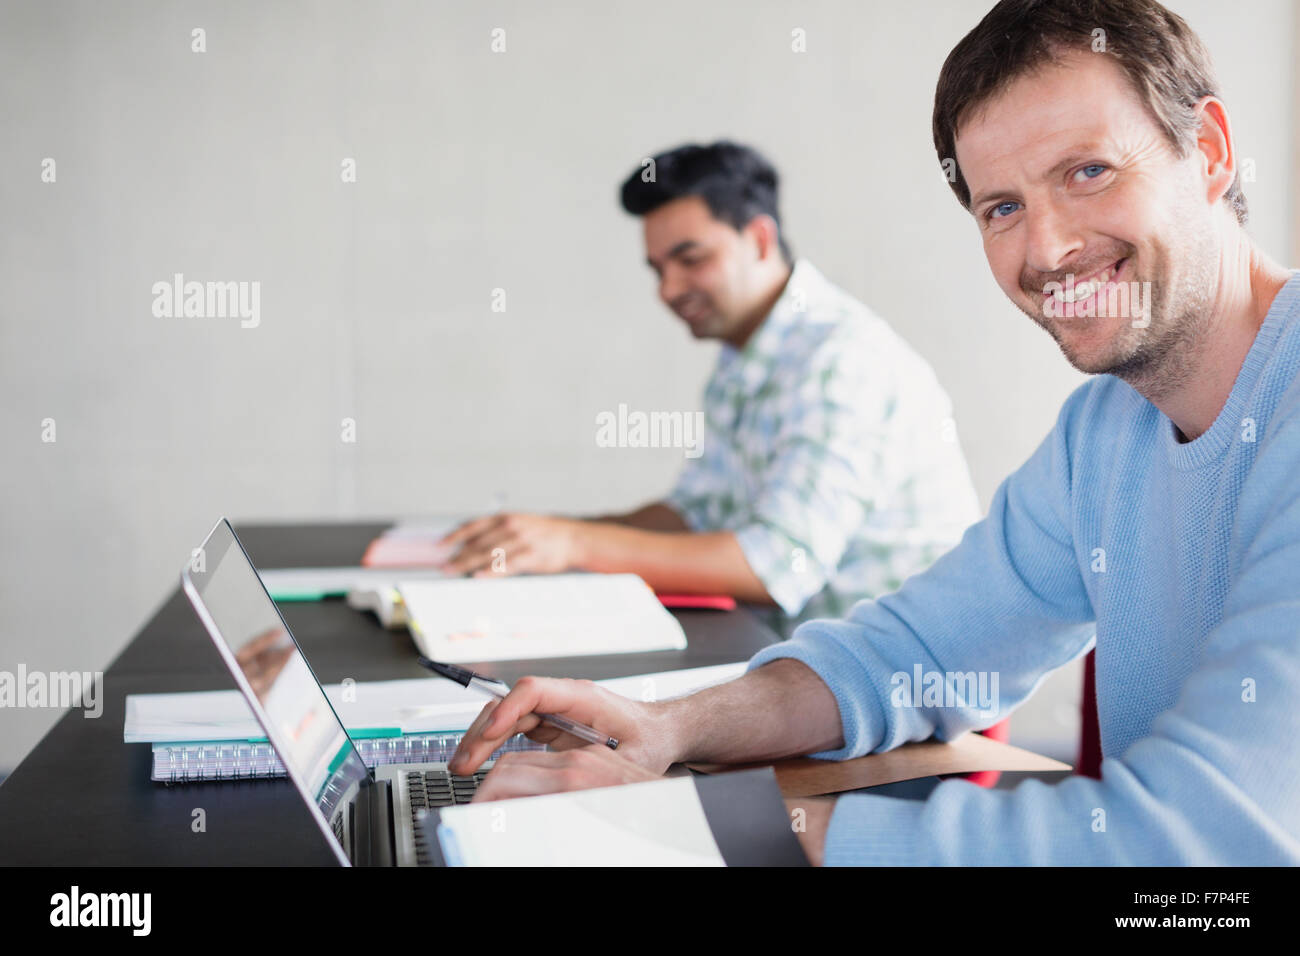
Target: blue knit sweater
x=1182, y=559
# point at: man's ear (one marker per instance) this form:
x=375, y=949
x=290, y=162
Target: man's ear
x=1215, y=147
x=765, y=232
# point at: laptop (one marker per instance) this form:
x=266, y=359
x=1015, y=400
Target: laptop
x=381, y=817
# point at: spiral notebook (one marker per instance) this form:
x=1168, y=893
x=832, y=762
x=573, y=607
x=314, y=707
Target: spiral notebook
x=212, y=735
x=252, y=759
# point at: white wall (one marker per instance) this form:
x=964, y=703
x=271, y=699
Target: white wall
x=476, y=171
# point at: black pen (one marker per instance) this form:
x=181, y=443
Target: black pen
x=498, y=688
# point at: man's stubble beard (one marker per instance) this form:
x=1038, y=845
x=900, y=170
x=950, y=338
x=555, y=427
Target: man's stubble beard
x=1160, y=358
x=1165, y=355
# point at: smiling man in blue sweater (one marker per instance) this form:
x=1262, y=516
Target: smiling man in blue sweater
x=1162, y=513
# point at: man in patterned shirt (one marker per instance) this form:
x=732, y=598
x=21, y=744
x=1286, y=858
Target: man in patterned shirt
x=830, y=468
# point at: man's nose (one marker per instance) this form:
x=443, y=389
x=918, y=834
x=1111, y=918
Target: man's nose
x=671, y=286
x=1054, y=236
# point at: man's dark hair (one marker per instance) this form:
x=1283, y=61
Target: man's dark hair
x=1165, y=61
x=736, y=183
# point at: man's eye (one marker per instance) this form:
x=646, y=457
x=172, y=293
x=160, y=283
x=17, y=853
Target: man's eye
x=1091, y=171
x=1002, y=210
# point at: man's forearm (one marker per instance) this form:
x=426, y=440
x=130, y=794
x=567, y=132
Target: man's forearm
x=652, y=517
x=781, y=709
x=709, y=562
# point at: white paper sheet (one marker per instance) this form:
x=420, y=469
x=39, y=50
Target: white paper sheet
x=658, y=823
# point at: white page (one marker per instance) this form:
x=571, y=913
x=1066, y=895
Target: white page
x=462, y=620
x=658, y=823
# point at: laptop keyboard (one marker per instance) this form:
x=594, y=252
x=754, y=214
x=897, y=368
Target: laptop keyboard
x=440, y=788
x=427, y=789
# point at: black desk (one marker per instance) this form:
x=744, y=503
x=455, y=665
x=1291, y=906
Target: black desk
x=83, y=797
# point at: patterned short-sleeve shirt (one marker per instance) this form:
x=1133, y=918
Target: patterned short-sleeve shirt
x=831, y=452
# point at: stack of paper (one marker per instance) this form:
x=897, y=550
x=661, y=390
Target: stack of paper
x=420, y=705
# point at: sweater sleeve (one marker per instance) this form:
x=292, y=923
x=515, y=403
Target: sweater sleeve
x=1213, y=783
x=1003, y=609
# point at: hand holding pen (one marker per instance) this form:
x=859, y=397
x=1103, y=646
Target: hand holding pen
x=500, y=690
x=641, y=731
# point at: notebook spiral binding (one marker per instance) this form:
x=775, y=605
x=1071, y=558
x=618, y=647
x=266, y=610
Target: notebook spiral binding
x=245, y=760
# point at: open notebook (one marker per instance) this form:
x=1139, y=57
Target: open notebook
x=465, y=620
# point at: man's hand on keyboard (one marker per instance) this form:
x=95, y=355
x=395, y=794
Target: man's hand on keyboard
x=527, y=774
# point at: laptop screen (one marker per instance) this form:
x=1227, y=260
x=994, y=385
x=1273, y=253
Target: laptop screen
x=290, y=704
